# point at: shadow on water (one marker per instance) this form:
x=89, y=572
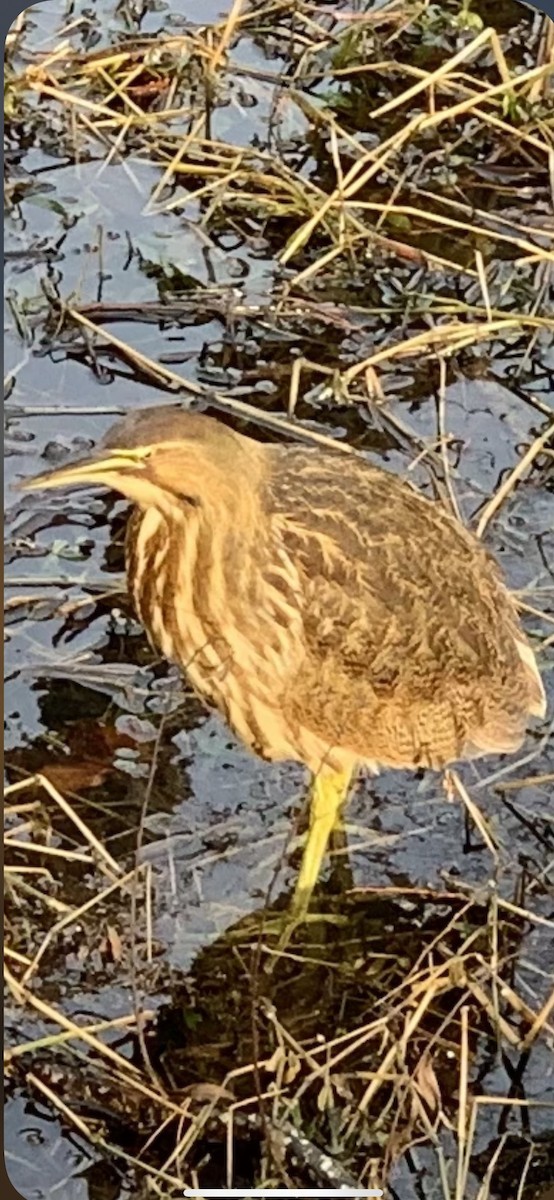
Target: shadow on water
x=432, y=948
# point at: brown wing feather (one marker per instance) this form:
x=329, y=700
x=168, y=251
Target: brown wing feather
x=412, y=637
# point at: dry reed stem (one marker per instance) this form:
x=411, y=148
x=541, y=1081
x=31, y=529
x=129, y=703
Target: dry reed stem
x=354, y=179
x=526, y=913
x=41, y=848
x=450, y=223
x=539, y=1023
x=443, y=442
x=58, y=1039
x=446, y=338
x=227, y=35
x=481, y=270
x=42, y=781
x=16, y=956
x=453, y=782
x=519, y=1007
x=515, y=475
x=484, y=1188
x=487, y=1005
x=95, y=1139
x=164, y=375
x=462, y=1105
x=60, y=1105
x=433, y=77
x=24, y=996
x=412, y=1022
x=75, y=914
x=176, y=162
x=467, y=106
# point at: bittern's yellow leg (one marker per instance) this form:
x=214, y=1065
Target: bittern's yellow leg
x=329, y=792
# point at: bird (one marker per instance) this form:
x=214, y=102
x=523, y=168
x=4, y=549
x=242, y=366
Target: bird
x=333, y=614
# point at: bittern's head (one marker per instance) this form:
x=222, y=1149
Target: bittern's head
x=165, y=458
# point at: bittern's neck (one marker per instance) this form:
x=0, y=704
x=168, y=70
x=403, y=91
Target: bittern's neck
x=220, y=513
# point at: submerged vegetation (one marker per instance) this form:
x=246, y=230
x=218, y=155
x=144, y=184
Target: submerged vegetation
x=331, y=222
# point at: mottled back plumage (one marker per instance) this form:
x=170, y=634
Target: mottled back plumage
x=329, y=611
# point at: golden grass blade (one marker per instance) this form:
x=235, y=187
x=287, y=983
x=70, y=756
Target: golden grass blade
x=451, y=223
x=481, y=271
x=57, y=1039
x=444, y=337
x=510, y=481
x=412, y=1023
x=485, y=1186
x=176, y=161
x=17, y=957
x=226, y=37
x=68, y=98
x=61, y=1106
x=24, y=996
x=54, y=851
x=462, y=1105
x=539, y=1023
x=465, y=106
x=433, y=77
x=452, y=780
x=517, y=911
x=354, y=179
x=105, y=857
x=75, y=914
x=443, y=441
x=164, y=375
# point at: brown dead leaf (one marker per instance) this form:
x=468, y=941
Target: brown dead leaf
x=76, y=776
x=114, y=942
x=292, y=1068
x=206, y=1092
x=427, y=1084
x=96, y=739
x=325, y=1096
x=145, y=93
x=274, y=1063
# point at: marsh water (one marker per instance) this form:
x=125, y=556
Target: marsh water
x=87, y=705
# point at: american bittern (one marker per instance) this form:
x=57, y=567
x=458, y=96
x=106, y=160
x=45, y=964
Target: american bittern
x=331, y=613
